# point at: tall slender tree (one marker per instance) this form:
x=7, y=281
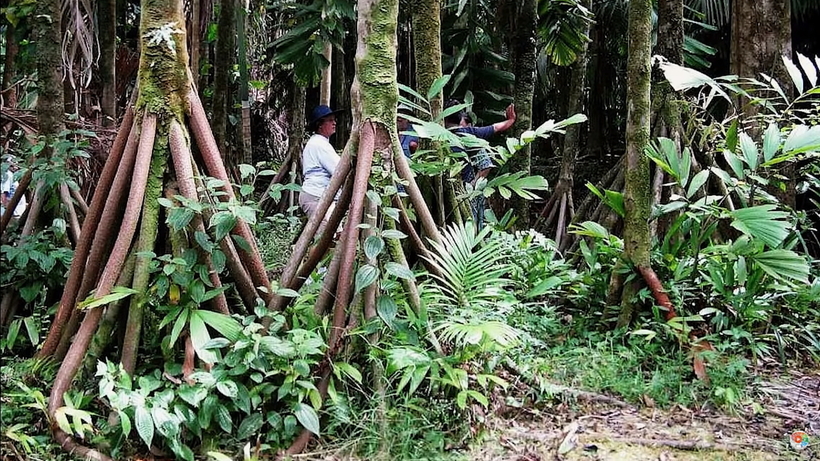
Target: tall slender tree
x=637, y=194
x=523, y=57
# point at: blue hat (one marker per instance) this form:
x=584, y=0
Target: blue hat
x=320, y=112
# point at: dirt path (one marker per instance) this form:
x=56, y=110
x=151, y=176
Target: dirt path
x=600, y=431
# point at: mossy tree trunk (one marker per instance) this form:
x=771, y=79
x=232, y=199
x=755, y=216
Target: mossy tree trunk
x=374, y=138
x=426, y=23
x=151, y=157
x=523, y=54
x=637, y=194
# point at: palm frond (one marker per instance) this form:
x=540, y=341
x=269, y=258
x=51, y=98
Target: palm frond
x=471, y=267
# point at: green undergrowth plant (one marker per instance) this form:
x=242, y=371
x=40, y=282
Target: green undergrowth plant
x=23, y=420
x=637, y=370
x=259, y=390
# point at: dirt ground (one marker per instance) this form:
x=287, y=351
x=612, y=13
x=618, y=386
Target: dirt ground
x=585, y=427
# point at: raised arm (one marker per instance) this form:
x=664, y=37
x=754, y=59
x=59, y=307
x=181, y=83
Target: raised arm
x=506, y=124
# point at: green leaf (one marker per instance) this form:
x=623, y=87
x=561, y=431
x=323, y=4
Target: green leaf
x=307, y=417
x=349, y=370
x=762, y=222
x=223, y=417
x=399, y=270
x=179, y=324
x=387, y=309
x=116, y=294
x=226, y=325
x=771, y=141
x=437, y=86
x=802, y=139
x=735, y=163
x=250, y=426
x=544, y=286
x=125, y=422
x=217, y=456
x=200, y=337
x=697, y=181
x=365, y=276
x=393, y=234
x=373, y=245
x=32, y=329
x=749, y=150
x=794, y=73
x=228, y=389
x=783, y=265
x=808, y=68
x=144, y=424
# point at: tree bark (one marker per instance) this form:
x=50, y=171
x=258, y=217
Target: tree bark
x=50, y=109
x=223, y=69
x=523, y=51
x=107, y=33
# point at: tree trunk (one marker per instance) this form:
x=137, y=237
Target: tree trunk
x=523, y=51
x=637, y=194
x=426, y=20
x=156, y=161
x=223, y=69
x=244, y=88
x=50, y=109
x=107, y=33
x=9, y=95
x=760, y=37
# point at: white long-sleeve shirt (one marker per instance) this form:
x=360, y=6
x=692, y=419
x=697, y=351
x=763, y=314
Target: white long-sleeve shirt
x=319, y=161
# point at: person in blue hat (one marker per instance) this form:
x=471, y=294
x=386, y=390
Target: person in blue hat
x=319, y=161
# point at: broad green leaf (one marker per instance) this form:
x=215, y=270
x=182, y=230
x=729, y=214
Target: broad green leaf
x=199, y=337
x=33, y=330
x=373, y=245
x=144, y=424
x=735, y=163
x=749, y=150
x=437, y=86
x=399, y=270
x=223, y=417
x=227, y=388
x=349, y=370
x=697, y=181
x=307, y=417
x=783, y=265
x=249, y=426
x=762, y=222
x=125, y=422
x=802, y=139
x=387, y=309
x=226, y=325
x=544, y=286
x=217, y=456
x=771, y=141
x=365, y=276
x=393, y=234
x=179, y=324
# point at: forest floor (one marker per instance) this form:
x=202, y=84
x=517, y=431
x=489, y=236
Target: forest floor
x=577, y=425
x=592, y=428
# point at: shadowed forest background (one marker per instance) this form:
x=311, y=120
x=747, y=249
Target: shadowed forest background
x=643, y=284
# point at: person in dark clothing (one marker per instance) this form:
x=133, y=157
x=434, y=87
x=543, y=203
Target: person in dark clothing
x=409, y=142
x=479, y=161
